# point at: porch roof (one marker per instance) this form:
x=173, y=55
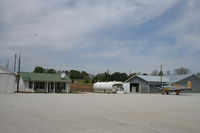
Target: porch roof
x=30, y=76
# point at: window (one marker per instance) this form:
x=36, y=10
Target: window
x=50, y=85
x=57, y=85
x=30, y=85
x=62, y=86
x=39, y=85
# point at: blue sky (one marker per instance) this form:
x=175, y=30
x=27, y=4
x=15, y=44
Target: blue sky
x=96, y=35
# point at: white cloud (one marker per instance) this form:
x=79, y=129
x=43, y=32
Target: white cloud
x=186, y=28
x=55, y=23
x=43, y=27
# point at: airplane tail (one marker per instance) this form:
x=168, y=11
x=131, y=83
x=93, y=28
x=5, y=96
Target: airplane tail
x=190, y=84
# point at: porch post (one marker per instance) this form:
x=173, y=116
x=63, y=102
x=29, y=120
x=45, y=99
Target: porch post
x=66, y=88
x=33, y=86
x=54, y=90
x=47, y=87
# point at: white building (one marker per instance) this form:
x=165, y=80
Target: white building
x=44, y=82
x=7, y=81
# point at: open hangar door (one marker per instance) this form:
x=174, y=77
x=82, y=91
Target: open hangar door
x=131, y=87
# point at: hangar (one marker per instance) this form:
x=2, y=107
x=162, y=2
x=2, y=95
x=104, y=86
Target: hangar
x=151, y=84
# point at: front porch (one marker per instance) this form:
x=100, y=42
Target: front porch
x=49, y=87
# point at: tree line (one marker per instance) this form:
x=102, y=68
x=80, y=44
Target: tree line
x=106, y=76
x=178, y=71
x=88, y=78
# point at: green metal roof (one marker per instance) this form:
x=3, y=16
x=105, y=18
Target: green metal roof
x=30, y=76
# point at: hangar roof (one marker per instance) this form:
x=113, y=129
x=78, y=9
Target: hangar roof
x=5, y=71
x=154, y=78
x=176, y=78
x=167, y=79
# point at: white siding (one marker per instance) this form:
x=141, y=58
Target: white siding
x=126, y=87
x=7, y=83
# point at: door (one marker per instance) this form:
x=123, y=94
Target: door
x=134, y=87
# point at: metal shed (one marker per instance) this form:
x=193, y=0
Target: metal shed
x=144, y=83
x=7, y=81
x=151, y=84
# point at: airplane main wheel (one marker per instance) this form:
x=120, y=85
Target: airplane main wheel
x=167, y=92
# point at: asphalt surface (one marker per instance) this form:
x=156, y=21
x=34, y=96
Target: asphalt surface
x=99, y=113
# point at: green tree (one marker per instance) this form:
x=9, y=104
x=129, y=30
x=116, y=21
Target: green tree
x=154, y=73
x=198, y=74
x=74, y=74
x=84, y=74
x=102, y=77
x=39, y=69
x=117, y=76
x=67, y=72
x=51, y=70
x=182, y=71
x=132, y=74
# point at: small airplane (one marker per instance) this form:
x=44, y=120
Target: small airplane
x=177, y=88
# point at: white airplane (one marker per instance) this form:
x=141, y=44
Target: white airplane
x=177, y=88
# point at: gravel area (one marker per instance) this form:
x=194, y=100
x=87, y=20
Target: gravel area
x=99, y=113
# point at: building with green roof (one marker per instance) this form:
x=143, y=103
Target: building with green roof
x=44, y=82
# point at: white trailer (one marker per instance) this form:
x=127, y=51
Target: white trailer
x=114, y=87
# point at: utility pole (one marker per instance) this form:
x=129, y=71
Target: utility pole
x=161, y=74
x=15, y=63
x=7, y=66
x=18, y=76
